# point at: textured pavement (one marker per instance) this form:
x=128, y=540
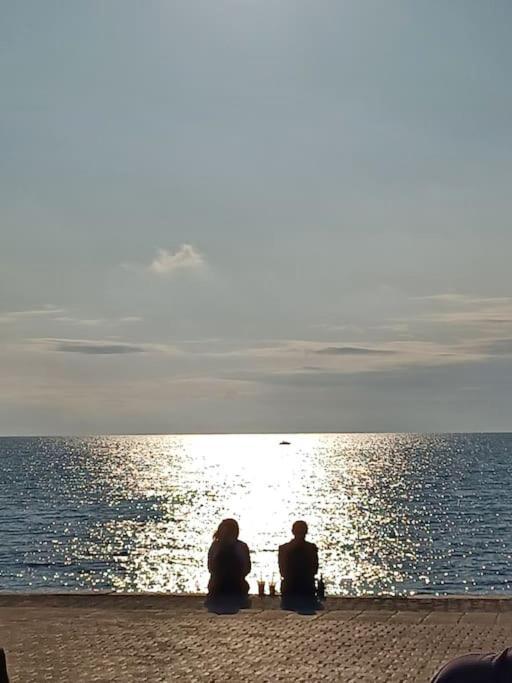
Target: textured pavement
x=165, y=638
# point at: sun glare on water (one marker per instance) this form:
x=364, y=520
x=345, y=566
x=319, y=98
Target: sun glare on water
x=389, y=512
x=199, y=480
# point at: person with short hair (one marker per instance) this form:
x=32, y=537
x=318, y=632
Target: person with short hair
x=298, y=566
x=473, y=668
x=229, y=562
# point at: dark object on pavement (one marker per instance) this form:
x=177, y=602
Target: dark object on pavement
x=487, y=668
x=4, y=678
x=320, y=589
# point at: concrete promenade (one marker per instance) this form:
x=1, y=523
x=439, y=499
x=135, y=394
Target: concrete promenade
x=128, y=638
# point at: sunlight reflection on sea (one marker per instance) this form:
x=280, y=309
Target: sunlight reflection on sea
x=391, y=514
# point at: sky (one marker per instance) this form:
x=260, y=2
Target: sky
x=255, y=215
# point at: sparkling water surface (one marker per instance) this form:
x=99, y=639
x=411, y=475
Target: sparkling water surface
x=390, y=513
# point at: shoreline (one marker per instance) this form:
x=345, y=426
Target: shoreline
x=194, y=602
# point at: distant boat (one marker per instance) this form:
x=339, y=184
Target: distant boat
x=284, y=443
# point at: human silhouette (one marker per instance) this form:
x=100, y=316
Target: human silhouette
x=229, y=563
x=298, y=565
x=4, y=678
x=487, y=668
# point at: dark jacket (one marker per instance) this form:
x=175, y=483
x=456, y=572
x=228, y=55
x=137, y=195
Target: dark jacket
x=488, y=668
x=229, y=563
x=298, y=565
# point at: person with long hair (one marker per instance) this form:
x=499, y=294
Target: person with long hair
x=229, y=562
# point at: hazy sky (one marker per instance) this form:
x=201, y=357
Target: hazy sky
x=252, y=215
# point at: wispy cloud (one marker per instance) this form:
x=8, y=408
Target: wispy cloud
x=353, y=351
x=95, y=348
x=462, y=309
x=53, y=314
x=46, y=311
x=131, y=319
x=86, y=322
x=446, y=297
x=497, y=347
x=96, y=322
x=466, y=299
x=186, y=257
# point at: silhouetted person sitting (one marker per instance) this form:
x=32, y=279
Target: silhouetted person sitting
x=4, y=678
x=298, y=565
x=229, y=563
x=489, y=668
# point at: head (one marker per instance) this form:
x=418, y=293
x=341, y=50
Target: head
x=228, y=530
x=299, y=530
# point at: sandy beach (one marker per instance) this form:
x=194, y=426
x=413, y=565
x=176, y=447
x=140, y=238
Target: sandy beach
x=135, y=637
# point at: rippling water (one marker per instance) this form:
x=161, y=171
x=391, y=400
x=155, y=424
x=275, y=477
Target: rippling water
x=390, y=513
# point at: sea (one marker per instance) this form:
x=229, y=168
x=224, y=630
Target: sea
x=391, y=514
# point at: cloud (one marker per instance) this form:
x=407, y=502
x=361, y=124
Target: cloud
x=299, y=378
x=95, y=322
x=497, y=347
x=456, y=298
x=87, y=322
x=108, y=346
x=280, y=356
x=95, y=348
x=461, y=309
x=52, y=314
x=46, y=311
x=185, y=258
x=447, y=297
x=417, y=376
x=353, y=351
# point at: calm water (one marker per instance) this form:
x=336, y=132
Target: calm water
x=390, y=513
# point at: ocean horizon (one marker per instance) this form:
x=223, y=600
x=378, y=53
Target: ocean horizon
x=391, y=513
x=81, y=435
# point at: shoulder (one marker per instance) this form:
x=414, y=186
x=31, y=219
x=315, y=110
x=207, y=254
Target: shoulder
x=312, y=546
x=465, y=668
x=243, y=546
x=284, y=547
